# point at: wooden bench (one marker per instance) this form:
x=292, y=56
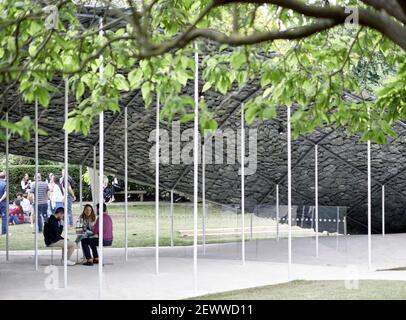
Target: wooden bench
x=130, y=192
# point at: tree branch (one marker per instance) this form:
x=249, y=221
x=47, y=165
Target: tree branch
x=373, y=19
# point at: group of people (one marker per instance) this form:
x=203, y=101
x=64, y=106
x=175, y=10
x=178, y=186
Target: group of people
x=50, y=193
x=87, y=230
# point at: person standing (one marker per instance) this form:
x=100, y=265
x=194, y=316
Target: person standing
x=57, y=196
x=69, y=192
x=50, y=181
x=42, y=201
x=25, y=183
x=3, y=202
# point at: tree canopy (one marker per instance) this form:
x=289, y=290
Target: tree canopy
x=305, y=54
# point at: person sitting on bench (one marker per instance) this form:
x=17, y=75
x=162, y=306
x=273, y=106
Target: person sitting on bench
x=53, y=234
x=91, y=243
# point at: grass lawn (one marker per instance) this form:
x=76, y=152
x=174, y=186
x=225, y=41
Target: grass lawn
x=317, y=290
x=141, y=226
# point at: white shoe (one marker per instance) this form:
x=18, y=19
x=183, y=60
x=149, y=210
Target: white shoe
x=69, y=263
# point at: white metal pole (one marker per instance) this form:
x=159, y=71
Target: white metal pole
x=195, y=165
x=36, y=187
x=101, y=180
x=66, y=181
x=369, y=207
x=171, y=226
x=289, y=195
x=383, y=210
x=81, y=186
x=204, y=198
x=7, y=192
x=316, y=195
x=242, y=186
x=338, y=225
x=94, y=177
x=277, y=212
x=126, y=182
x=157, y=188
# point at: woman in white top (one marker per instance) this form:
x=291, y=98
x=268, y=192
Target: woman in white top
x=25, y=183
x=57, y=197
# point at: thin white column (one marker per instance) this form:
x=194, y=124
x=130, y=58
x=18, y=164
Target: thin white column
x=66, y=184
x=101, y=178
x=338, y=226
x=345, y=224
x=80, y=186
x=94, y=177
x=277, y=212
x=7, y=192
x=369, y=207
x=383, y=210
x=36, y=188
x=171, y=217
x=204, y=198
x=101, y=199
x=126, y=183
x=316, y=195
x=195, y=165
x=289, y=195
x=242, y=186
x=157, y=188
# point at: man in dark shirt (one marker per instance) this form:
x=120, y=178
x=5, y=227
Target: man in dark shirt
x=53, y=234
x=3, y=201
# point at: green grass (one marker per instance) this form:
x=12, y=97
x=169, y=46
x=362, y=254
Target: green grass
x=141, y=226
x=317, y=290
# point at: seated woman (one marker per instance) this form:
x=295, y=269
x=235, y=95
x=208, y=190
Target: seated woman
x=91, y=243
x=85, y=224
x=16, y=214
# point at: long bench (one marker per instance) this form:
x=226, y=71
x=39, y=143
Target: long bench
x=139, y=192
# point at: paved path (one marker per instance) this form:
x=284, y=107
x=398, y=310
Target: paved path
x=219, y=270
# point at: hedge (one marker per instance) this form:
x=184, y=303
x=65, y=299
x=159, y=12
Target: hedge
x=17, y=172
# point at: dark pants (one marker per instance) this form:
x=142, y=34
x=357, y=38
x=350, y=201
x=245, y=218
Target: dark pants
x=3, y=219
x=91, y=244
x=42, y=215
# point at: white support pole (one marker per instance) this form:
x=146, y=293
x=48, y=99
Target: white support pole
x=157, y=188
x=81, y=186
x=94, y=177
x=242, y=186
x=369, y=207
x=66, y=181
x=171, y=225
x=383, y=210
x=7, y=192
x=36, y=188
x=289, y=195
x=101, y=199
x=316, y=195
x=345, y=223
x=126, y=183
x=204, y=198
x=277, y=212
x=195, y=165
x=101, y=179
x=338, y=226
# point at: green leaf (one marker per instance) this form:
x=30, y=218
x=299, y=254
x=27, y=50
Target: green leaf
x=80, y=90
